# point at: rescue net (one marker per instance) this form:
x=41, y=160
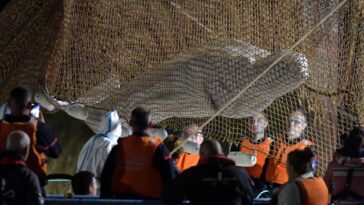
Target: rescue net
x=185, y=59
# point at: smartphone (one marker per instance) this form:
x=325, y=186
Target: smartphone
x=4, y=110
x=35, y=112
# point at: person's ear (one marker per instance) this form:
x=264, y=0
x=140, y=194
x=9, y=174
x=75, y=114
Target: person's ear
x=93, y=187
x=29, y=105
x=304, y=125
x=131, y=122
x=91, y=190
x=25, y=152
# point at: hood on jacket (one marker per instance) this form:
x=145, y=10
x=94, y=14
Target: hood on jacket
x=110, y=126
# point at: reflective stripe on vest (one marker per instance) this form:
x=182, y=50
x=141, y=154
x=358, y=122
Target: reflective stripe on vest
x=276, y=170
x=262, y=151
x=134, y=172
x=36, y=160
x=187, y=160
x=314, y=191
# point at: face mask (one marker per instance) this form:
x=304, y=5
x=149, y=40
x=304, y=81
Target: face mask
x=258, y=130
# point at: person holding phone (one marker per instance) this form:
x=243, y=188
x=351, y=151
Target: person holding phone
x=43, y=141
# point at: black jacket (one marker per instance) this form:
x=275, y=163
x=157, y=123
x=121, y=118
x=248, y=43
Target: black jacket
x=18, y=184
x=214, y=180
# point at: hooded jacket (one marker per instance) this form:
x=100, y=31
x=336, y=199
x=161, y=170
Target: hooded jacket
x=94, y=153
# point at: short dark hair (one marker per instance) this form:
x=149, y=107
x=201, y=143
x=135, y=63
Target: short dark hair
x=81, y=182
x=20, y=96
x=140, y=118
x=352, y=143
x=212, y=146
x=301, y=160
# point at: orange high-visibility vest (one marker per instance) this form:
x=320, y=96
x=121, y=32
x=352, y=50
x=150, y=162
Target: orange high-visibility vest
x=261, y=150
x=276, y=170
x=36, y=160
x=187, y=160
x=134, y=172
x=314, y=191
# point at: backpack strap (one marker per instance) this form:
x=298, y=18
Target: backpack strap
x=349, y=178
x=302, y=191
x=347, y=192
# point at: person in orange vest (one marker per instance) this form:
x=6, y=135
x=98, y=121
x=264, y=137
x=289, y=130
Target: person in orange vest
x=294, y=139
x=259, y=144
x=139, y=166
x=187, y=160
x=43, y=141
x=303, y=188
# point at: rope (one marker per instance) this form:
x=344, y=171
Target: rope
x=265, y=71
x=191, y=17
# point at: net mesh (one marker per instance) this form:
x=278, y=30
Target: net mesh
x=185, y=59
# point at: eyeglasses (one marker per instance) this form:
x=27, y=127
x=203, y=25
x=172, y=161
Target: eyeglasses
x=296, y=121
x=198, y=134
x=259, y=120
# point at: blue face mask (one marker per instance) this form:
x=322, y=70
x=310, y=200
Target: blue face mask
x=259, y=130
